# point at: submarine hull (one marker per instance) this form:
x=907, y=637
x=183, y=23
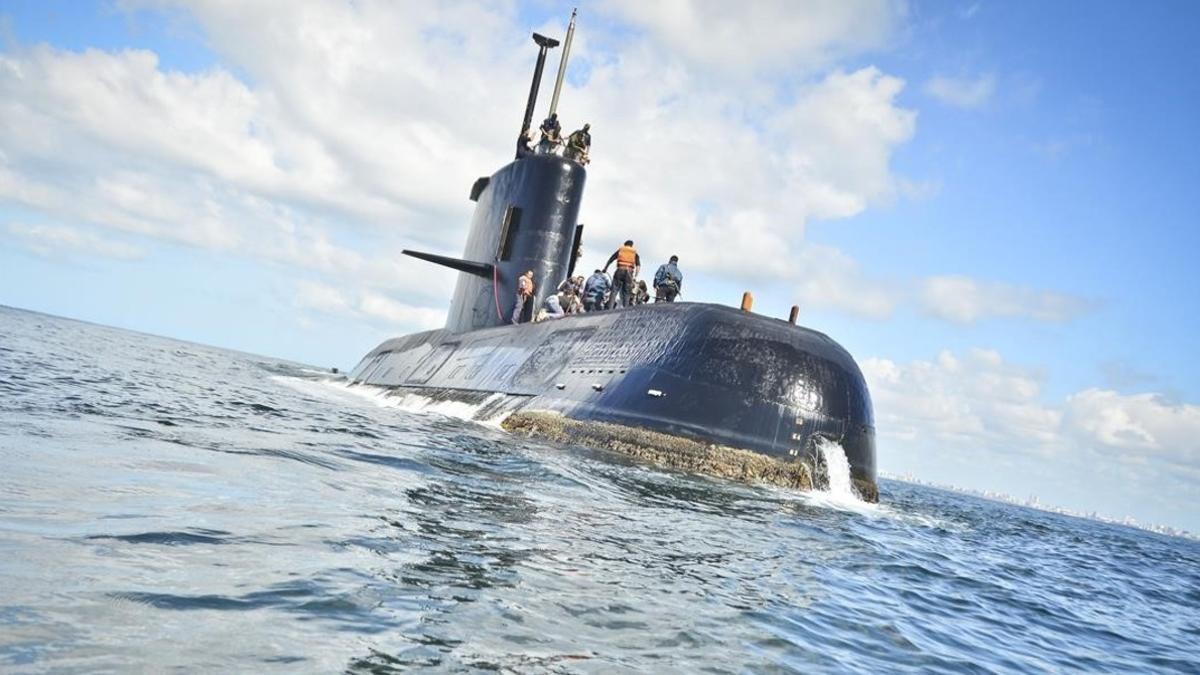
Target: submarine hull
x=704, y=372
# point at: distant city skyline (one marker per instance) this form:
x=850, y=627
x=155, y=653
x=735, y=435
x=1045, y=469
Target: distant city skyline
x=1035, y=502
x=991, y=205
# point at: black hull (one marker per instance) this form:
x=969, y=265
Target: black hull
x=705, y=372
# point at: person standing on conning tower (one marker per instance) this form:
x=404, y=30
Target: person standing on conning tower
x=551, y=134
x=579, y=145
x=524, y=147
x=629, y=264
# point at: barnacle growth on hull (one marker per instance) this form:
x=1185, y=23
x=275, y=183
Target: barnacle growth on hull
x=664, y=450
x=679, y=453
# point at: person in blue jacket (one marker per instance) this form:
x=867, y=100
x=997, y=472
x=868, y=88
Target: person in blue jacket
x=668, y=281
x=594, y=291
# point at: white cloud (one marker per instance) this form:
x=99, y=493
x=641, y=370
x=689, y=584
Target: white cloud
x=382, y=307
x=962, y=92
x=1137, y=422
x=845, y=131
x=980, y=405
x=829, y=279
x=57, y=239
x=94, y=114
x=742, y=37
x=737, y=207
x=323, y=298
x=965, y=300
x=975, y=419
x=366, y=304
x=971, y=402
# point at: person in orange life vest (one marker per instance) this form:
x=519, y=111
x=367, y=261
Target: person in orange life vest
x=524, y=292
x=629, y=263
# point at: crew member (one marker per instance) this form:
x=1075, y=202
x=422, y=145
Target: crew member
x=551, y=134
x=553, y=308
x=641, y=295
x=570, y=294
x=594, y=290
x=629, y=264
x=579, y=144
x=524, y=292
x=668, y=281
x=523, y=145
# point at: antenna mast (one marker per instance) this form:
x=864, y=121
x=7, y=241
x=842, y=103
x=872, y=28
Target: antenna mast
x=562, y=65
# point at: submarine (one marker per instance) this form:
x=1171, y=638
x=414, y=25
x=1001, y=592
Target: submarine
x=698, y=386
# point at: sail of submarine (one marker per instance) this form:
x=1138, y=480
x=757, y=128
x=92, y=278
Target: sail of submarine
x=695, y=385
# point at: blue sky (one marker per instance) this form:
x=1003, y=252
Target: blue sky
x=991, y=205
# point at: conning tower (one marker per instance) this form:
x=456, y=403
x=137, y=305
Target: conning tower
x=526, y=218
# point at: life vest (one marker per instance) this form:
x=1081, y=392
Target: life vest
x=626, y=257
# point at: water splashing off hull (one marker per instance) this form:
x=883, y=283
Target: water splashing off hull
x=834, y=472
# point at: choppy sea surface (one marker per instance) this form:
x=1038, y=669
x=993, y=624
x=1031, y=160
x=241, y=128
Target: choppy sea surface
x=169, y=506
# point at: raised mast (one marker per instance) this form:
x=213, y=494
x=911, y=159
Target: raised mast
x=544, y=44
x=562, y=65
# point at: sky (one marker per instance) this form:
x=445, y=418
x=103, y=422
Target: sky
x=991, y=205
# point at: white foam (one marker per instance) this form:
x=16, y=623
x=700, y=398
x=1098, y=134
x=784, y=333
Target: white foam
x=471, y=412
x=326, y=387
x=341, y=390
x=839, y=494
x=837, y=467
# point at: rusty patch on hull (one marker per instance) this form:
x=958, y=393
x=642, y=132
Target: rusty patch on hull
x=663, y=449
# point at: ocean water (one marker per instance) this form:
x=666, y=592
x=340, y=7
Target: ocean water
x=168, y=506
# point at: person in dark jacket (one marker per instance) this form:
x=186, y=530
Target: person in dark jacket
x=629, y=264
x=551, y=134
x=579, y=144
x=524, y=147
x=668, y=281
